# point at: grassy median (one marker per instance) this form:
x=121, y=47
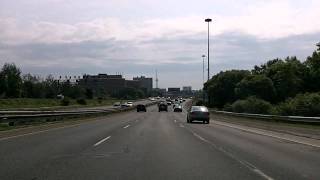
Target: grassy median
x=24, y=103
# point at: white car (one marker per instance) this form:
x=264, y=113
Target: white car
x=129, y=104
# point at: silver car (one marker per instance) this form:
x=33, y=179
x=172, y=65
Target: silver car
x=199, y=113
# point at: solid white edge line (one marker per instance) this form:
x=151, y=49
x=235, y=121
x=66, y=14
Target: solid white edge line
x=269, y=135
x=101, y=141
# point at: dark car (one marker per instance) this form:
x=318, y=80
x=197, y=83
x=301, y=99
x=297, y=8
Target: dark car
x=177, y=108
x=169, y=103
x=141, y=107
x=163, y=107
x=199, y=113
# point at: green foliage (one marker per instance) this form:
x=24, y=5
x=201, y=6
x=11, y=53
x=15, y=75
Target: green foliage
x=313, y=65
x=256, y=85
x=221, y=87
x=65, y=102
x=287, y=76
x=129, y=93
x=10, y=81
x=307, y=104
x=81, y=101
x=252, y=105
x=89, y=93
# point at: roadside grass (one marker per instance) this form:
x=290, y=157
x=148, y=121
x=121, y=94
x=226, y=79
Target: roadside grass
x=25, y=103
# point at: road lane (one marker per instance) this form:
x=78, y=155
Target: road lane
x=154, y=145
x=278, y=158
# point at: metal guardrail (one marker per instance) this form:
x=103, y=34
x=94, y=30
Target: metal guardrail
x=301, y=119
x=13, y=117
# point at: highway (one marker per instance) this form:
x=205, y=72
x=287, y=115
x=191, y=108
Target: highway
x=154, y=145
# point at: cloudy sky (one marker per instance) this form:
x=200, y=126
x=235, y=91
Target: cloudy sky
x=136, y=37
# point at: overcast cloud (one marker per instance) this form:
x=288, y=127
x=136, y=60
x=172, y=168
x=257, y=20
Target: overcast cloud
x=63, y=37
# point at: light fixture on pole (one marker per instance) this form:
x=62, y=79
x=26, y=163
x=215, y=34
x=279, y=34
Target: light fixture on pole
x=208, y=20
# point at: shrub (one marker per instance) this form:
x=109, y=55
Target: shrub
x=65, y=102
x=100, y=99
x=81, y=101
x=227, y=107
x=252, y=105
x=307, y=104
x=199, y=103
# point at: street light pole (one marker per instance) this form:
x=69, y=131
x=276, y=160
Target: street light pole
x=208, y=20
x=203, y=56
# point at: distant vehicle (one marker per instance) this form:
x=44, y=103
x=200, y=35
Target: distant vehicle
x=199, y=113
x=141, y=107
x=175, y=104
x=163, y=107
x=116, y=104
x=152, y=99
x=130, y=104
x=177, y=108
x=124, y=105
x=60, y=96
x=183, y=100
x=169, y=103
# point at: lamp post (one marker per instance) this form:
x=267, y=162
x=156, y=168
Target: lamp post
x=208, y=20
x=203, y=56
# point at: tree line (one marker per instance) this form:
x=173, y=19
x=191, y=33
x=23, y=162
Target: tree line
x=14, y=84
x=280, y=86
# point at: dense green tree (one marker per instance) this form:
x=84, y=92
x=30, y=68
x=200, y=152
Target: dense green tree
x=220, y=87
x=256, y=85
x=10, y=80
x=313, y=65
x=288, y=76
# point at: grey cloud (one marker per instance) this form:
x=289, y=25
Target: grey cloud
x=177, y=58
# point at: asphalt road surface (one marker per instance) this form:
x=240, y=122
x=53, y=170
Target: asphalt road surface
x=154, y=145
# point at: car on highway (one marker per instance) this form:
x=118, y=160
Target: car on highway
x=163, y=107
x=130, y=104
x=141, y=107
x=175, y=104
x=169, y=103
x=198, y=113
x=117, y=104
x=177, y=108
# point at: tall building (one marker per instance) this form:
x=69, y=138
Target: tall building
x=187, y=88
x=145, y=83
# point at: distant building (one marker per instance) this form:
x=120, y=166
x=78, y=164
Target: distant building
x=187, y=88
x=146, y=83
x=174, y=89
x=133, y=84
x=105, y=83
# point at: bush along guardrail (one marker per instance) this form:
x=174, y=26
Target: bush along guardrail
x=16, y=117
x=295, y=119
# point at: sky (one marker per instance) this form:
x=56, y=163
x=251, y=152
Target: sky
x=138, y=37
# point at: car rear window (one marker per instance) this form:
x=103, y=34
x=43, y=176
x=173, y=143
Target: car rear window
x=199, y=108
